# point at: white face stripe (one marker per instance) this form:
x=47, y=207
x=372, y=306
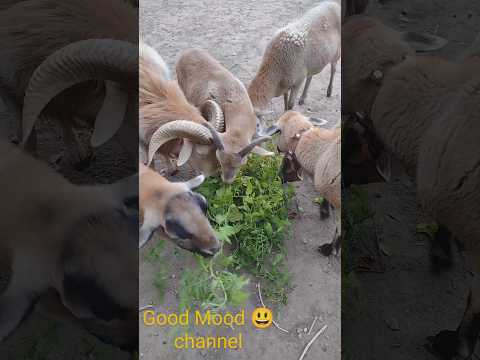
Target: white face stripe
x=152, y=219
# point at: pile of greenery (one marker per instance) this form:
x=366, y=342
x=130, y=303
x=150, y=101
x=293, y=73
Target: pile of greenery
x=251, y=220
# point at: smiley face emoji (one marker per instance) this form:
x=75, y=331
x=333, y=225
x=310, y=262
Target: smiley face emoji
x=262, y=318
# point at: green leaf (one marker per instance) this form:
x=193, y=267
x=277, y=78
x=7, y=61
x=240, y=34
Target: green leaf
x=429, y=229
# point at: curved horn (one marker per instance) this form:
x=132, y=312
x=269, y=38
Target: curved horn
x=217, y=140
x=174, y=130
x=252, y=145
x=212, y=111
x=101, y=59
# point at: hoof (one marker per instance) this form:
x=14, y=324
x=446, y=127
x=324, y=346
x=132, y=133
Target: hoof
x=326, y=249
x=444, y=345
x=301, y=101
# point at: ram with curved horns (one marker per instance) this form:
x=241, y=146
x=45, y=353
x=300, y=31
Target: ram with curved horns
x=226, y=140
x=69, y=59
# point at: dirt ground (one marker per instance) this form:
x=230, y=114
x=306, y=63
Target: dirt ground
x=407, y=302
x=234, y=33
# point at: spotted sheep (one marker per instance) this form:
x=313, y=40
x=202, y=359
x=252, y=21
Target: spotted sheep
x=295, y=54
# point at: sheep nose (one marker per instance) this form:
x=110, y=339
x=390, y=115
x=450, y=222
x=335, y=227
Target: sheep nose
x=215, y=249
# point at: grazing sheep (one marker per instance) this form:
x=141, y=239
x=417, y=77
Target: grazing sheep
x=425, y=112
x=162, y=105
x=419, y=87
x=202, y=80
x=78, y=240
x=317, y=151
x=298, y=52
x=180, y=212
x=63, y=58
x=448, y=181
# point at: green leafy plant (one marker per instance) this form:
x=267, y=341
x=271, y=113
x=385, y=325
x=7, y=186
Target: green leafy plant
x=212, y=285
x=160, y=278
x=251, y=215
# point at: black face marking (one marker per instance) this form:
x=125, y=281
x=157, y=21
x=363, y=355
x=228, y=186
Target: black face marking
x=174, y=227
x=83, y=290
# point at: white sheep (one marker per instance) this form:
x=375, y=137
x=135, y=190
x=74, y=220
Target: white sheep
x=425, y=112
x=295, y=54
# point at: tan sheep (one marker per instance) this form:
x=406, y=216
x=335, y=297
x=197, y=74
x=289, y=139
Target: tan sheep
x=204, y=80
x=177, y=210
x=295, y=54
x=318, y=152
x=78, y=240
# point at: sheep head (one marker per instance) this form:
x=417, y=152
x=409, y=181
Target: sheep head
x=176, y=209
x=229, y=159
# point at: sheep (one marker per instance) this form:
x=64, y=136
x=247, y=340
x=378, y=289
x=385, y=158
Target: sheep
x=204, y=81
x=77, y=240
x=424, y=111
x=298, y=52
x=374, y=49
x=448, y=187
x=161, y=103
x=317, y=151
x=180, y=212
x=43, y=41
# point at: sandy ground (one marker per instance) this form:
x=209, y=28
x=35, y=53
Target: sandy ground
x=234, y=32
x=407, y=303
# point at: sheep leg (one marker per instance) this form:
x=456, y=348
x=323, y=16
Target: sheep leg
x=285, y=100
x=333, y=69
x=305, y=90
x=14, y=305
x=441, y=251
x=461, y=344
x=293, y=95
x=469, y=328
x=78, y=155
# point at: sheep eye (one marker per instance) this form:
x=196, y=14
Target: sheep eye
x=175, y=227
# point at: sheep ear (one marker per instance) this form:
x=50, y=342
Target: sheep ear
x=423, y=42
x=262, y=152
x=185, y=153
x=317, y=121
x=195, y=182
x=111, y=115
x=125, y=190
